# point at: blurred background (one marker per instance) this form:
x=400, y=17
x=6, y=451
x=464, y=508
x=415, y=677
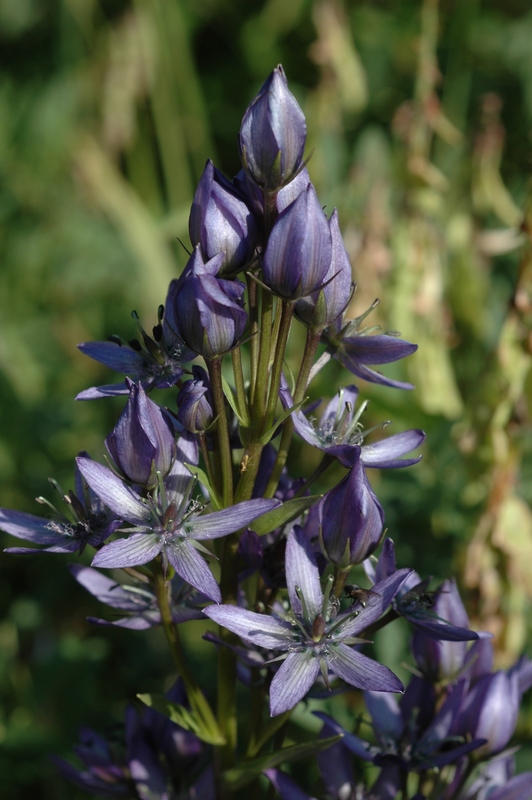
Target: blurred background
x=420, y=113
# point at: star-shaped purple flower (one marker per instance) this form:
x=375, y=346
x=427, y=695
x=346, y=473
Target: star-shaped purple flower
x=84, y=521
x=168, y=523
x=339, y=432
x=314, y=636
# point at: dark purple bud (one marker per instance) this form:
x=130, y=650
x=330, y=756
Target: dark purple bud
x=351, y=520
x=490, y=712
x=221, y=222
x=195, y=402
x=442, y=660
x=272, y=135
x=142, y=442
x=322, y=307
x=299, y=249
x=208, y=311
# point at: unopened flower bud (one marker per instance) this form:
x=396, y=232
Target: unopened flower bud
x=273, y=133
x=195, y=404
x=142, y=442
x=221, y=222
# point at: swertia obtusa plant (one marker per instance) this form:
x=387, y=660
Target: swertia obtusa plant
x=209, y=483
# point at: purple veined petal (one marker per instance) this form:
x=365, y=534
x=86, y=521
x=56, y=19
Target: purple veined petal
x=379, y=349
x=261, y=629
x=385, y=714
x=108, y=390
x=445, y=632
x=361, y=671
x=388, y=453
x=28, y=527
x=136, y=622
x=353, y=743
x=368, y=374
x=115, y=494
x=348, y=396
x=377, y=603
x=188, y=563
x=108, y=591
x=286, y=787
x=137, y=549
x=302, y=571
x=119, y=358
x=229, y=520
x=452, y=756
x=442, y=725
x=292, y=681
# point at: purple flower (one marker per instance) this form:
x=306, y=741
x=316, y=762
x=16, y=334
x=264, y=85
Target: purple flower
x=272, y=134
x=299, y=249
x=195, y=402
x=415, y=603
x=324, y=306
x=339, y=432
x=142, y=443
x=169, y=524
x=351, y=519
x=156, y=361
x=221, y=222
x=85, y=521
x=209, y=314
x=314, y=637
x=490, y=711
x=138, y=601
x=356, y=350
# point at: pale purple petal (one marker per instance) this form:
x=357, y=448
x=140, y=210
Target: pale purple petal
x=302, y=571
x=221, y=523
x=377, y=603
x=370, y=375
x=188, y=563
x=357, y=746
x=517, y=788
x=385, y=714
x=261, y=629
x=292, y=681
x=120, y=358
x=379, y=349
x=361, y=671
x=106, y=590
x=388, y=453
x=29, y=527
x=108, y=390
x=137, y=549
x=115, y=494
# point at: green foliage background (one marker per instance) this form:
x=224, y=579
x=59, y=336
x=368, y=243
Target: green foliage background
x=420, y=114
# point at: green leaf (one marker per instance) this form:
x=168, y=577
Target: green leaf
x=203, y=479
x=243, y=416
x=282, y=514
x=238, y=777
x=265, y=438
x=181, y=716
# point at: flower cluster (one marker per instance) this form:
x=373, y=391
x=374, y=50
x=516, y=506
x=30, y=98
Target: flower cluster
x=199, y=519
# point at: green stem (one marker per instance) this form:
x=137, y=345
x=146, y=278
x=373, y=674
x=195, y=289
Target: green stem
x=196, y=698
x=287, y=311
x=253, y=317
x=224, y=446
x=262, y=379
x=340, y=577
x=241, y=399
x=311, y=345
x=208, y=463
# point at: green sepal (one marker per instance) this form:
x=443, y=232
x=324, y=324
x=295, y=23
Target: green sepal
x=181, y=716
x=203, y=479
x=241, y=414
x=238, y=777
x=282, y=514
x=265, y=438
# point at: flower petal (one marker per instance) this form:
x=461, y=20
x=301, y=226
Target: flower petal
x=137, y=549
x=387, y=454
x=221, y=523
x=188, y=563
x=302, y=571
x=292, y=681
x=29, y=527
x=115, y=494
x=261, y=629
x=378, y=601
x=361, y=671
